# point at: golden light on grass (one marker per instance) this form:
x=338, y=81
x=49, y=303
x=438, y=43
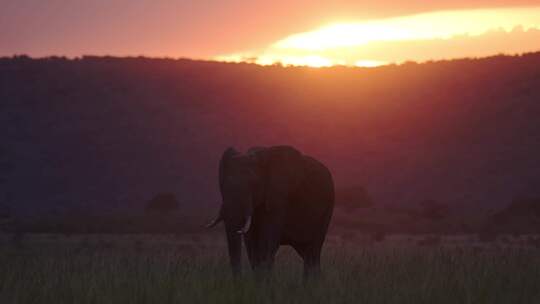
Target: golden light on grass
x=348, y=43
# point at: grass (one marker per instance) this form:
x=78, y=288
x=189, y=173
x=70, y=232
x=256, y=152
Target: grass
x=149, y=269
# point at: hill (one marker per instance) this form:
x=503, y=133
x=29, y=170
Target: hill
x=102, y=133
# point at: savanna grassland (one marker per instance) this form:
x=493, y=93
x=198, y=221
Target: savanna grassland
x=193, y=269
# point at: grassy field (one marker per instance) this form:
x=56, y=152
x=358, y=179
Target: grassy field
x=193, y=269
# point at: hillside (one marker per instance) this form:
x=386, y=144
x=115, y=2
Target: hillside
x=102, y=134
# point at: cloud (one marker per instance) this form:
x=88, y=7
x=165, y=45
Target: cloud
x=430, y=36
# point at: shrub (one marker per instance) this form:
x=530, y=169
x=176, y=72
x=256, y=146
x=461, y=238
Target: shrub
x=378, y=236
x=353, y=197
x=430, y=241
x=162, y=203
x=487, y=236
x=433, y=210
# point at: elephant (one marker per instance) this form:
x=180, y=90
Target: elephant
x=271, y=197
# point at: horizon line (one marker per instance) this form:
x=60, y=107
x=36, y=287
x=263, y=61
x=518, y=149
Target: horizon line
x=250, y=62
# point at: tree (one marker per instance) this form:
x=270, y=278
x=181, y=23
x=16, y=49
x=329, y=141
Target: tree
x=521, y=216
x=5, y=212
x=5, y=218
x=353, y=197
x=527, y=206
x=433, y=210
x=162, y=203
x=5, y=209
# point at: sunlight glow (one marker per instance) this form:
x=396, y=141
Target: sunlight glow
x=369, y=63
x=436, y=25
x=310, y=61
x=427, y=36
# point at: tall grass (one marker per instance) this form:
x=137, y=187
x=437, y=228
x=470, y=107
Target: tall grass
x=159, y=274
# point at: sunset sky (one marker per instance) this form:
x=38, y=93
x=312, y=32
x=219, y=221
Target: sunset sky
x=315, y=33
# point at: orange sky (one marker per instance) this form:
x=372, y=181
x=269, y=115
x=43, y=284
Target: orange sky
x=241, y=29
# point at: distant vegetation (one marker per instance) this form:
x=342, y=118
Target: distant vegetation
x=440, y=146
x=353, y=197
x=163, y=203
x=521, y=216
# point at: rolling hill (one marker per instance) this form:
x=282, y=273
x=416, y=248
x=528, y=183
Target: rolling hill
x=104, y=133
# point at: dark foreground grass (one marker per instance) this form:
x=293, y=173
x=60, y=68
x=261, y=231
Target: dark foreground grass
x=109, y=274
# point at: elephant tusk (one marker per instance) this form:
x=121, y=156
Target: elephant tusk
x=214, y=222
x=246, y=226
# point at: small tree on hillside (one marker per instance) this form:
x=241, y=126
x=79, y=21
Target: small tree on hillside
x=521, y=216
x=433, y=210
x=353, y=197
x=5, y=209
x=5, y=212
x=162, y=203
x=5, y=218
x=522, y=207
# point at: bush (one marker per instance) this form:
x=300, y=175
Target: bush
x=378, y=236
x=162, y=203
x=430, y=241
x=5, y=212
x=433, y=210
x=487, y=236
x=353, y=197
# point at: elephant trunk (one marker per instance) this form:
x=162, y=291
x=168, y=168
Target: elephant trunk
x=237, y=224
x=234, y=241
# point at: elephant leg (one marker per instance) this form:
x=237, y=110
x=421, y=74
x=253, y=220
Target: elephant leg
x=266, y=256
x=265, y=250
x=311, y=254
x=312, y=264
x=263, y=263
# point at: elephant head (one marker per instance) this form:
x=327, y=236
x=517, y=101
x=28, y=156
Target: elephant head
x=260, y=178
x=238, y=182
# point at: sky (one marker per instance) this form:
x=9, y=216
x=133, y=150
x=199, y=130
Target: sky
x=315, y=33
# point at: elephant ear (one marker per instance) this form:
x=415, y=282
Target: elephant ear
x=227, y=155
